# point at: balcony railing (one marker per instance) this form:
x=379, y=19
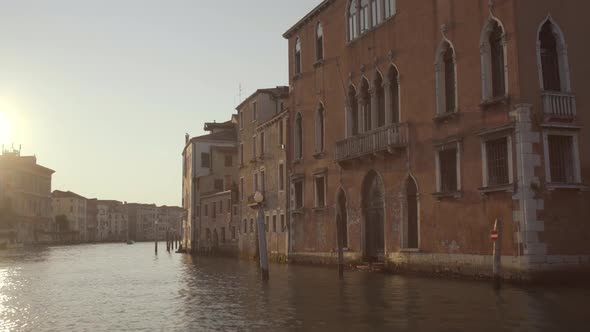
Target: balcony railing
x=382, y=139
x=559, y=105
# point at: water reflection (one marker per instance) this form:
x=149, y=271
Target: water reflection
x=125, y=288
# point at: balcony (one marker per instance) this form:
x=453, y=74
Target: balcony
x=383, y=139
x=559, y=105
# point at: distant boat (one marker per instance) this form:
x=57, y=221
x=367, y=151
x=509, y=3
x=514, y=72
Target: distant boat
x=130, y=242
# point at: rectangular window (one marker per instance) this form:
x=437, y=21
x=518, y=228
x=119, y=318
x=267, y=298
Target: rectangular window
x=254, y=111
x=205, y=162
x=298, y=187
x=280, y=124
x=274, y=224
x=241, y=189
x=228, y=162
x=262, y=179
x=320, y=191
x=255, y=182
x=281, y=177
x=254, y=148
x=222, y=234
x=266, y=223
x=218, y=184
x=447, y=163
x=214, y=210
x=241, y=154
x=262, y=143
x=497, y=161
x=251, y=225
x=206, y=210
x=283, y=225
x=561, y=159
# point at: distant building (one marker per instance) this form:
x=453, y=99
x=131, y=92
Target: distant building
x=263, y=166
x=25, y=199
x=111, y=220
x=142, y=221
x=91, y=220
x=170, y=222
x=199, y=176
x=70, y=214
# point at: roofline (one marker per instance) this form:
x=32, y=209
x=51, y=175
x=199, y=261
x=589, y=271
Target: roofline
x=198, y=139
x=274, y=119
x=270, y=91
x=306, y=18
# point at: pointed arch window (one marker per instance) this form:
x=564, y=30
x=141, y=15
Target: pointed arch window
x=319, y=129
x=297, y=57
x=298, y=136
x=353, y=115
x=319, y=42
x=389, y=8
x=380, y=98
x=393, y=77
x=446, y=80
x=549, y=59
x=493, y=61
x=365, y=105
x=353, y=20
x=364, y=16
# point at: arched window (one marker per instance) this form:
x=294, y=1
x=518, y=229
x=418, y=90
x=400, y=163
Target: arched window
x=354, y=111
x=380, y=97
x=389, y=8
x=297, y=57
x=352, y=20
x=393, y=77
x=298, y=137
x=319, y=42
x=493, y=60
x=550, y=64
x=319, y=129
x=364, y=16
x=446, y=82
x=365, y=103
x=376, y=12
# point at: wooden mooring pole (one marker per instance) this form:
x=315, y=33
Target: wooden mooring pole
x=496, y=236
x=262, y=243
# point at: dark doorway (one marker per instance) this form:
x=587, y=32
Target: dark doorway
x=412, y=199
x=374, y=214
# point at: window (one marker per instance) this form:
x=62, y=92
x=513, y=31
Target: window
x=447, y=160
x=251, y=225
x=266, y=224
x=320, y=191
x=228, y=161
x=553, y=58
x=393, y=77
x=274, y=224
x=262, y=143
x=353, y=116
x=206, y=210
x=389, y=8
x=298, y=197
x=254, y=111
x=283, y=225
x=497, y=152
x=319, y=129
x=218, y=185
x=376, y=12
x=241, y=154
x=255, y=182
x=446, y=83
x=319, y=42
x=281, y=177
x=562, y=160
x=352, y=20
x=241, y=189
x=366, y=105
x=364, y=16
x=297, y=57
x=222, y=234
x=214, y=210
x=205, y=160
x=254, y=143
x=298, y=136
x=281, y=133
x=493, y=49
x=262, y=179
x=380, y=97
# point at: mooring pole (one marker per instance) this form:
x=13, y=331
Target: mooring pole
x=156, y=245
x=497, y=238
x=262, y=243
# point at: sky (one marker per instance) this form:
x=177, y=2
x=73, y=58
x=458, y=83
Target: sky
x=103, y=91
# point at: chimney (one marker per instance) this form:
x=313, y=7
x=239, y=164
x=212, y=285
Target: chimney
x=186, y=138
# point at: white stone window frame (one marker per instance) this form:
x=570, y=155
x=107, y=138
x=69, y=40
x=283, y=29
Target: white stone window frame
x=440, y=78
x=575, y=158
x=319, y=28
x=484, y=159
x=562, y=52
x=486, y=60
x=455, y=144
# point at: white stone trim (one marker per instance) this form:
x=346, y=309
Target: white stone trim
x=440, y=79
x=486, y=61
x=564, y=69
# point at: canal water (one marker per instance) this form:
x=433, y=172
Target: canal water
x=116, y=287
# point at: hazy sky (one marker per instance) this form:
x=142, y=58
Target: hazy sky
x=103, y=91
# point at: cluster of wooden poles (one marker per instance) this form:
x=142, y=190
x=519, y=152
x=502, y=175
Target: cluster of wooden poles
x=172, y=242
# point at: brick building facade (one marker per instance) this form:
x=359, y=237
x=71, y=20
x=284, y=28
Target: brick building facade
x=417, y=124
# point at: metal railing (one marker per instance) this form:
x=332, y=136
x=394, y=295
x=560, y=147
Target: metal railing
x=559, y=105
x=377, y=140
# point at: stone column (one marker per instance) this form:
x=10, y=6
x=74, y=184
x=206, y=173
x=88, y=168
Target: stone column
x=374, y=108
x=387, y=89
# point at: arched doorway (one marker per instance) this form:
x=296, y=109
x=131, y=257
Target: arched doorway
x=374, y=213
x=342, y=219
x=411, y=220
